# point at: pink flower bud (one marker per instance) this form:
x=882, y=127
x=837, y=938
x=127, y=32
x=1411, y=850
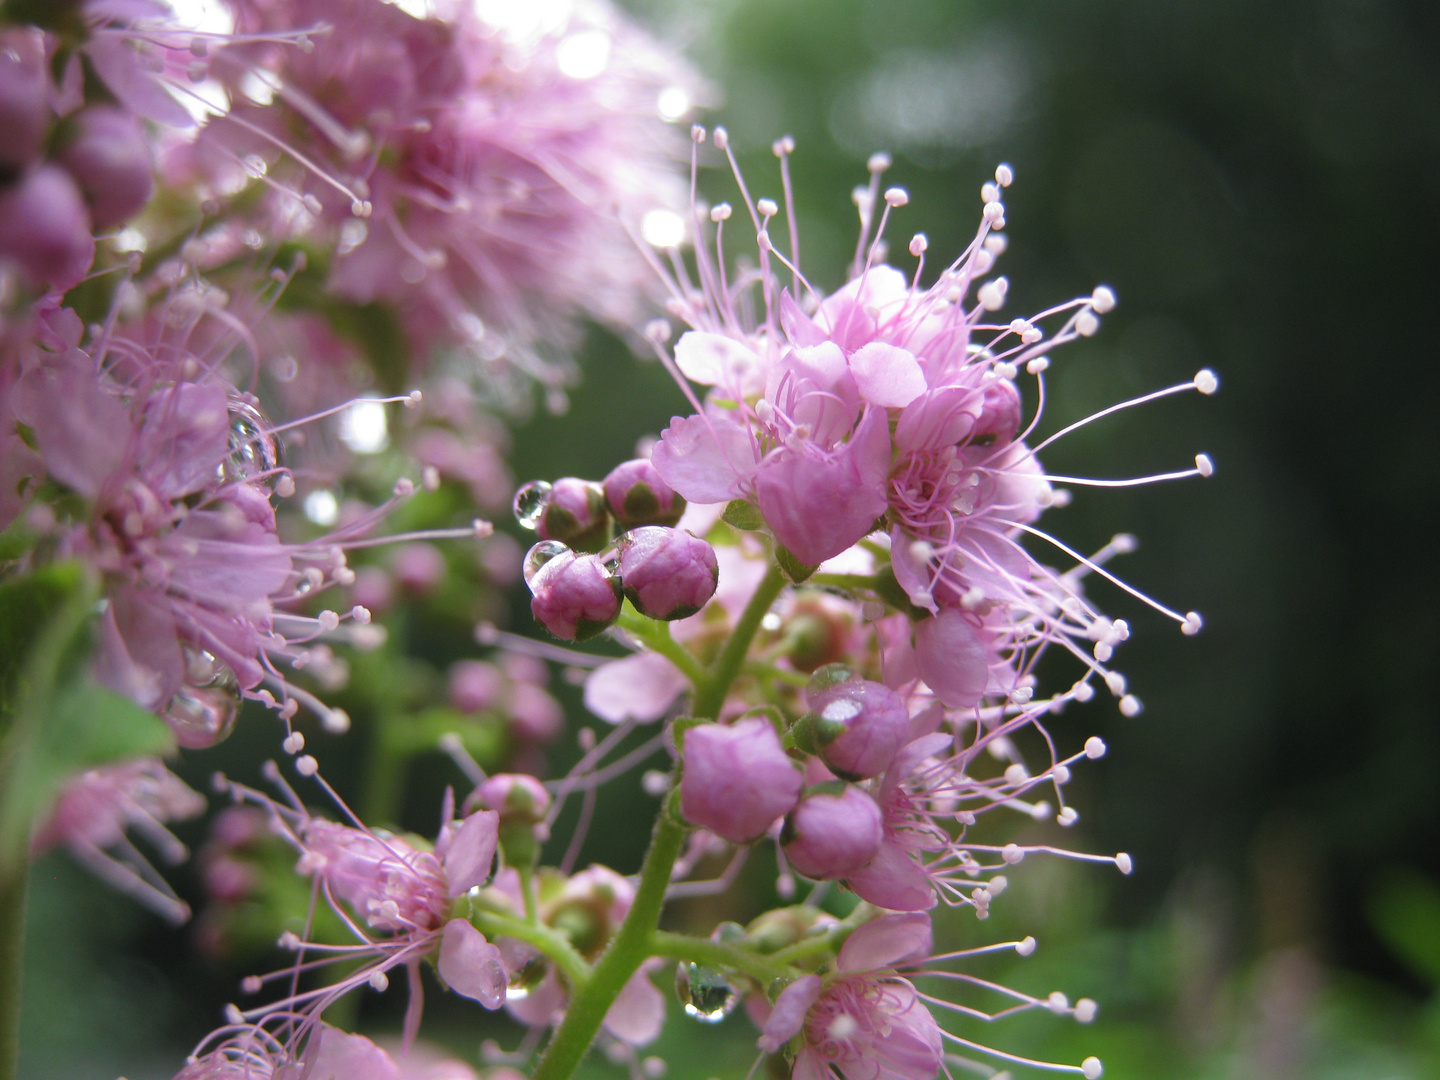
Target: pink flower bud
x=475, y=685
x=575, y=514
x=858, y=727
x=636, y=495
x=575, y=596
x=667, y=573
x=514, y=796
x=737, y=779
x=110, y=159
x=45, y=228
x=24, y=93
x=832, y=833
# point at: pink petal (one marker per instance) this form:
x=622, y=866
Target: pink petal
x=124, y=75
x=951, y=658
x=347, y=1057
x=638, y=1013
x=704, y=458
x=887, y=375
x=788, y=1016
x=471, y=851
x=639, y=687
x=470, y=965
x=715, y=360
x=886, y=942
x=892, y=880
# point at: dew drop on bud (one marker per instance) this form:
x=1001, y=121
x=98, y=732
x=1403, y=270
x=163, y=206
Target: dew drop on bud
x=705, y=993
x=530, y=503
x=539, y=555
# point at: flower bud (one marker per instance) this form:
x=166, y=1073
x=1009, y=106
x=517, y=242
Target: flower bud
x=857, y=727
x=636, y=495
x=833, y=832
x=45, y=228
x=514, y=796
x=575, y=596
x=575, y=514
x=737, y=779
x=667, y=573
x=24, y=105
x=110, y=159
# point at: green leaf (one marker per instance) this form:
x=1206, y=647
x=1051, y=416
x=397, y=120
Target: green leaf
x=1405, y=911
x=55, y=720
x=794, y=569
x=742, y=515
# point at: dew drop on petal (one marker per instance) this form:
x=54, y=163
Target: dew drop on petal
x=253, y=447
x=539, y=555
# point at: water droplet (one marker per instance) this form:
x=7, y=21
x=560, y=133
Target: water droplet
x=530, y=503
x=253, y=448
x=705, y=993
x=526, y=978
x=541, y=554
x=203, y=711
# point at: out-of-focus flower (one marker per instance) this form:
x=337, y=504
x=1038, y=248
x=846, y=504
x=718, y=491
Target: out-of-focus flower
x=95, y=810
x=473, y=167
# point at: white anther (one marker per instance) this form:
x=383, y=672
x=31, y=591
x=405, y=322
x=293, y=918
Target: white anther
x=1041, y=811
x=289, y=710
x=328, y=620
x=922, y=551
x=767, y=208
x=1130, y=705
x=1192, y=624
x=972, y=598
x=430, y=478
x=722, y=138
x=994, y=212
x=1091, y=1068
x=878, y=163
x=965, y=817
x=1094, y=746
x=990, y=192
x=697, y=133
x=1086, y=324
x=379, y=982
x=1102, y=299
x=289, y=940
x=233, y=1015
x=1061, y=774
x=1021, y=695
x=293, y=743
x=307, y=765
x=336, y=721
x=1103, y=651
x=1016, y=774
x=1124, y=863
x=1115, y=682
x=658, y=331
x=360, y=614
x=918, y=244
x=1019, y=326
x=1058, y=1003
x=1085, y=1010
x=996, y=245
x=413, y=399
x=896, y=196
x=1123, y=543
x=1203, y=465
x=992, y=294
x=1025, y=946
x=1067, y=816
x=1004, y=175
x=721, y=212
x=1206, y=381
x=1012, y=854
x=1082, y=691
x=1006, y=370
x=285, y=486
x=762, y=241
x=482, y=529
x=783, y=145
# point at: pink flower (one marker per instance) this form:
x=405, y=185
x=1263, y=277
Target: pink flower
x=858, y=726
x=737, y=780
x=863, y=1021
x=832, y=833
x=573, y=596
x=95, y=810
x=666, y=573
x=637, y=495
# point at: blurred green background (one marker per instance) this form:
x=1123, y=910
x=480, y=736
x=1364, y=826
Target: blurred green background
x=1259, y=183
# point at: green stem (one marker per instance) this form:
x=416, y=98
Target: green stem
x=550, y=942
x=710, y=693
x=12, y=946
x=656, y=636
x=826, y=944
x=635, y=941
x=630, y=947
x=717, y=954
